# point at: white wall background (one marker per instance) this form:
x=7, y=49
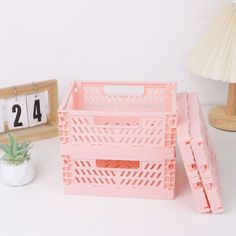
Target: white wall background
x=132, y=40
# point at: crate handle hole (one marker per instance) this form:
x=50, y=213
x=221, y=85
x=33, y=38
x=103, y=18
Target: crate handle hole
x=123, y=90
x=118, y=164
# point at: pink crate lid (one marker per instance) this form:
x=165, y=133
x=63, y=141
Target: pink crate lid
x=198, y=154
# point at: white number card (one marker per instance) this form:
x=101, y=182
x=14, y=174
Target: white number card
x=37, y=113
x=17, y=113
x=1, y=117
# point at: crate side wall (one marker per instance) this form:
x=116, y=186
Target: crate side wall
x=152, y=178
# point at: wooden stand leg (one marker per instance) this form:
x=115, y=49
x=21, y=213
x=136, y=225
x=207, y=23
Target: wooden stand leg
x=224, y=118
x=231, y=102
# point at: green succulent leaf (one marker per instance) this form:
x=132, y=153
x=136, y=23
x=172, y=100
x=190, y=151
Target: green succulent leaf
x=11, y=139
x=20, y=152
x=5, y=148
x=13, y=143
x=8, y=156
x=19, y=157
x=24, y=145
x=15, y=153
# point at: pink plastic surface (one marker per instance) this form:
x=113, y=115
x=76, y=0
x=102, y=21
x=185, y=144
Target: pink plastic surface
x=153, y=179
x=118, y=144
x=198, y=155
x=89, y=116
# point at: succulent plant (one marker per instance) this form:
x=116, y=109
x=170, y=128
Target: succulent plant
x=15, y=154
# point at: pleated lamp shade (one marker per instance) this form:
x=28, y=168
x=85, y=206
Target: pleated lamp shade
x=215, y=58
x=215, y=55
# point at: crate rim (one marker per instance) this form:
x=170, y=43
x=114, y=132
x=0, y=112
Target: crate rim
x=92, y=82
x=63, y=106
x=116, y=113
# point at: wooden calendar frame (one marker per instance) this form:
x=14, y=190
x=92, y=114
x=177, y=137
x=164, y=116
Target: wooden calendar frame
x=50, y=129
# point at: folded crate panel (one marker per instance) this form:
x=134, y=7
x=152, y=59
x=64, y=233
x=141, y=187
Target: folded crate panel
x=205, y=155
x=184, y=138
x=126, y=140
x=198, y=154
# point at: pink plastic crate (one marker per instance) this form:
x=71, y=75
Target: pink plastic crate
x=141, y=179
x=118, y=139
x=198, y=154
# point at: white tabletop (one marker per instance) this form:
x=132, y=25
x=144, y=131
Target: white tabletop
x=41, y=208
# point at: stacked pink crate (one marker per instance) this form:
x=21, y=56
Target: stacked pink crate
x=119, y=139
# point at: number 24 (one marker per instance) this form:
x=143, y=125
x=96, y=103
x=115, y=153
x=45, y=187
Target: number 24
x=36, y=113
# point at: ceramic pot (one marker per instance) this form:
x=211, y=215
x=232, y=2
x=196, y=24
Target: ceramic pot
x=17, y=175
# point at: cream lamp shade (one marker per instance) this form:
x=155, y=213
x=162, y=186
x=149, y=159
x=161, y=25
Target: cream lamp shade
x=215, y=58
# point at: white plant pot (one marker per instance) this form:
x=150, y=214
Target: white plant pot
x=17, y=175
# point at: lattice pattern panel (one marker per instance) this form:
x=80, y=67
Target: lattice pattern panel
x=150, y=174
x=170, y=131
x=67, y=170
x=152, y=132
x=64, y=127
x=169, y=172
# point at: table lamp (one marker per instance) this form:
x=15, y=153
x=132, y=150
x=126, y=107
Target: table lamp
x=215, y=58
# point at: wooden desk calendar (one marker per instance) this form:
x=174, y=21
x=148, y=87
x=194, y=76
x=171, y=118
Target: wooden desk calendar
x=47, y=123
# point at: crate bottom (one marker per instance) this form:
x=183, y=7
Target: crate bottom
x=120, y=192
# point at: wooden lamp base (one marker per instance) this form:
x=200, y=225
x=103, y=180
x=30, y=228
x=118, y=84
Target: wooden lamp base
x=220, y=120
x=224, y=118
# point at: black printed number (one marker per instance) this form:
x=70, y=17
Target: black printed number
x=37, y=111
x=17, y=109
